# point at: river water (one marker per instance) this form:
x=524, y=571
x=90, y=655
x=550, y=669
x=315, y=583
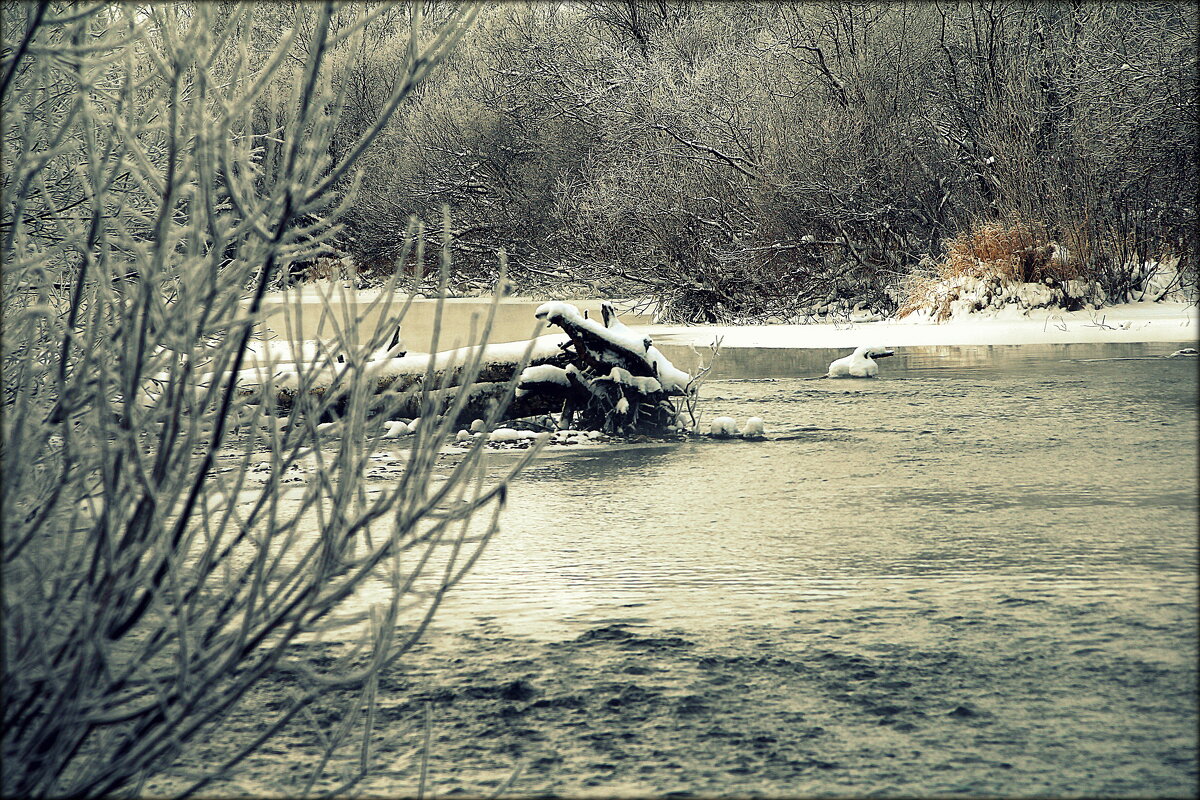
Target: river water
x=973, y=575
x=977, y=478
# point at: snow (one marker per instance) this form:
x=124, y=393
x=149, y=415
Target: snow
x=510, y=435
x=645, y=385
x=1148, y=322
x=395, y=429
x=545, y=373
x=324, y=374
x=754, y=428
x=260, y=352
x=859, y=364
x=674, y=380
x=415, y=364
x=723, y=427
x=1162, y=281
x=386, y=353
x=621, y=336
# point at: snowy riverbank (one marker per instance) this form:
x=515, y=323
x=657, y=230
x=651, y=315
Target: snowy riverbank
x=1129, y=322
x=514, y=320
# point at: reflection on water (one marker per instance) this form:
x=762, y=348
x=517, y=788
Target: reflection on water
x=948, y=361
x=1009, y=474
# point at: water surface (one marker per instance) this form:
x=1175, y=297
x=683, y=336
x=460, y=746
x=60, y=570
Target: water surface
x=933, y=487
x=974, y=575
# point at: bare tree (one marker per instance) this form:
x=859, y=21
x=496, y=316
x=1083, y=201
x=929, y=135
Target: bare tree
x=771, y=157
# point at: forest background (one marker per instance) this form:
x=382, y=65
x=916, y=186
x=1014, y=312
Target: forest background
x=744, y=160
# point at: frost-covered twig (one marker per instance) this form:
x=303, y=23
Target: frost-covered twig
x=154, y=575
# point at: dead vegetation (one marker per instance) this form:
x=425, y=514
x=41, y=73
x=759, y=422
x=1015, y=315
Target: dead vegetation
x=1000, y=252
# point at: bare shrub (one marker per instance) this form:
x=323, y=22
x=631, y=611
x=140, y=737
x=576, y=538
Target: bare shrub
x=166, y=547
x=1009, y=251
x=769, y=155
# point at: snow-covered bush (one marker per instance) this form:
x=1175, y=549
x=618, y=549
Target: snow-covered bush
x=1013, y=265
x=997, y=264
x=153, y=569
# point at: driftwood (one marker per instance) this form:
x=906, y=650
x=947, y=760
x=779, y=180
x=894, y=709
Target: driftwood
x=399, y=382
x=602, y=377
x=613, y=382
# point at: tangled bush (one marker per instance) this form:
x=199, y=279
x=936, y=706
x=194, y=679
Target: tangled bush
x=999, y=263
x=1010, y=250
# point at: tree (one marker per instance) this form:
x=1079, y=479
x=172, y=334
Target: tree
x=770, y=157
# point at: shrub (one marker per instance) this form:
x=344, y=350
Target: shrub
x=1011, y=250
x=155, y=567
x=1007, y=251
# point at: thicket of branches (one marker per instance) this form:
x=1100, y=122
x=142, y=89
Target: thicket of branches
x=157, y=563
x=744, y=158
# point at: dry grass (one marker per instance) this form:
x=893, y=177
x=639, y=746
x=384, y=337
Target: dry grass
x=1007, y=250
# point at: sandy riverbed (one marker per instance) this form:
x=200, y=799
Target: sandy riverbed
x=616, y=712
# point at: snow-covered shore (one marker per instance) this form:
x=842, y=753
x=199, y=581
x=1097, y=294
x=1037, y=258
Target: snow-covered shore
x=1129, y=322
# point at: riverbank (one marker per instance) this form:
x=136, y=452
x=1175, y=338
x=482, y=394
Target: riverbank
x=319, y=314
x=1128, y=322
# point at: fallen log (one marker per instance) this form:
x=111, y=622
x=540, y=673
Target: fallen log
x=329, y=383
x=600, y=346
x=618, y=381
x=478, y=402
x=600, y=375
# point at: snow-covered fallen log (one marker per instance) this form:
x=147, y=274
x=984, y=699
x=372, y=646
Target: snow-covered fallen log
x=478, y=400
x=598, y=374
x=602, y=346
x=497, y=363
x=617, y=380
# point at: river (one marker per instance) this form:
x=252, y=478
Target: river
x=973, y=575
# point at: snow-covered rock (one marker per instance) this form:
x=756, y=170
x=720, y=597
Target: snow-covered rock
x=723, y=428
x=859, y=364
x=754, y=429
x=510, y=435
x=394, y=429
